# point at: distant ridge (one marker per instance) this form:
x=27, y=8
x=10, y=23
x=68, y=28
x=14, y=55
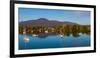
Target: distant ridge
x=44, y=22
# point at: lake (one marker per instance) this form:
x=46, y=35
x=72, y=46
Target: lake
x=53, y=41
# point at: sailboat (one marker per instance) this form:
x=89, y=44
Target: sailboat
x=24, y=31
x=26, y=39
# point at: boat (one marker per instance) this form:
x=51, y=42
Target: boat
x=46, y=31
x=26, y=39
x=34, y=35
x=61, y=35
x=24, y=32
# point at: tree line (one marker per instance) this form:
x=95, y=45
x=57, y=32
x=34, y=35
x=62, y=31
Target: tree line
x=62, y=29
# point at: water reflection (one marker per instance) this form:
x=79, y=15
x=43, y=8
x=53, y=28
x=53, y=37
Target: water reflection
x=62, y=35
x=44, y=35
x=52, y=40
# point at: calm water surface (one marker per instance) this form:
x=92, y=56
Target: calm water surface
x=53, y=41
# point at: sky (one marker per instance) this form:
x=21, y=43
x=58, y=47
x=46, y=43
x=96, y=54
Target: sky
x=76, y=16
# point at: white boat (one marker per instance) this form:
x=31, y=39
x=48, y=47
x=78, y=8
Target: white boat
x=24, y=32
x=34, y=35
x=61, y=35
x=46, y=31
x=26, y=39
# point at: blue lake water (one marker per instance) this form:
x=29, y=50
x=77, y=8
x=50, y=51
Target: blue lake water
x=53, y=41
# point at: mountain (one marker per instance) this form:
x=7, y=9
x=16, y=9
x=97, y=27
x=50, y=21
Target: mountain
x=44, y=22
